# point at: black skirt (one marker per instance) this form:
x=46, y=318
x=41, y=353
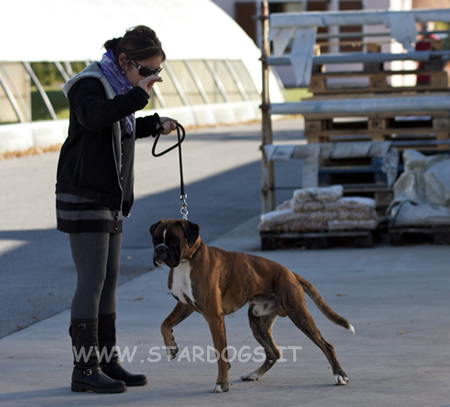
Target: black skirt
x=75, y=214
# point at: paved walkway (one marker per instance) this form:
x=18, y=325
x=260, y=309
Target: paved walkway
x=397, y=298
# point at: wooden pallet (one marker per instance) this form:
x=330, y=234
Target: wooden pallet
x=420, y=130
x=404, y=235
x=318, y=240
x=376, y=82
x=359, y=177
x=354, y=170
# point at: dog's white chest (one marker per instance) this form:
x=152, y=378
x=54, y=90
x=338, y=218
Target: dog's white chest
x=181, y=283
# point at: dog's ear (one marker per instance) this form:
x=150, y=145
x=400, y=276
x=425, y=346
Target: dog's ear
x=192, y=232
x=154, y=226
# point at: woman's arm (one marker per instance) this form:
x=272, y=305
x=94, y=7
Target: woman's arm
x=95, y=112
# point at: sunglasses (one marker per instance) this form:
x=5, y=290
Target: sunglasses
x=145, y=70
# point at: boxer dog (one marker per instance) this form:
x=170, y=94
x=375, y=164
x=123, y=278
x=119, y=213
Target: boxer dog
x=216, y=283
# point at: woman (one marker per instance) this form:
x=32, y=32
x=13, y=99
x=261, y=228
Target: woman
x=94, y=191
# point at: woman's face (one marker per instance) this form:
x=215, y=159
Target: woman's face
x=139, y=69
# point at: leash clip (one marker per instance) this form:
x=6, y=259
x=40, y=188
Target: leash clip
x=184, y=211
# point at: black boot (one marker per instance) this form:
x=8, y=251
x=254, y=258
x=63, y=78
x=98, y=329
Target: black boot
x=87, y=375
x=110, y=361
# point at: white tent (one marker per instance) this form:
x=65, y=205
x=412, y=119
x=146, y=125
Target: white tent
x=62, y=31
x=69, y=30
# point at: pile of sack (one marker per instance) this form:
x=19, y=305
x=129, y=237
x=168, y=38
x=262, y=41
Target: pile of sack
x=422, y=192
x=321, y=209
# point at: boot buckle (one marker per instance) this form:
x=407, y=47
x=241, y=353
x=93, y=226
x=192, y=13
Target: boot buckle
x=87, y=372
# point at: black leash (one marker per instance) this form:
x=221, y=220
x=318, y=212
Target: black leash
x=181, y=134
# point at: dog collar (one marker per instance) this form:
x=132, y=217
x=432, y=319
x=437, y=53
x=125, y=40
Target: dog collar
x=193, y=254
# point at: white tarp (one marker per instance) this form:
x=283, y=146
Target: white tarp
x=422, y=192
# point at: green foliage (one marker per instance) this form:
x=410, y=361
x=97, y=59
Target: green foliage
x=57, y=99
x=46, y=72
x=440, y=26
x=51, y=79
x=296, y=94
x=77, y=67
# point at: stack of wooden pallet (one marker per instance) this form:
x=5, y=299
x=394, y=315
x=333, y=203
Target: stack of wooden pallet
x=360, y=103
x=425, y=130
x=416, y=128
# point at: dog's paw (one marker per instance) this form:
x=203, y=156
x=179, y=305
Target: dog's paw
x=221, y=388
x=250, y=376
x=171, y=352
x=340, y=380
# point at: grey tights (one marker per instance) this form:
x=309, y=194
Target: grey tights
x=96, y=257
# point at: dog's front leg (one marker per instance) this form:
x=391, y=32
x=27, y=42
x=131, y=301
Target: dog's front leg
x=179, y=314
x=216, y=323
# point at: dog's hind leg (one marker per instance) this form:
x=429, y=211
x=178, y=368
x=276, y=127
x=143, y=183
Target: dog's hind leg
x=262, y=331
x=293, y=302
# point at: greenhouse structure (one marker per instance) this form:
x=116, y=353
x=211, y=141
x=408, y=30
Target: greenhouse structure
x=212, y=74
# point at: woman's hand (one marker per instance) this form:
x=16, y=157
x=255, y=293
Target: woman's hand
x=167, y=125
x=148, y=82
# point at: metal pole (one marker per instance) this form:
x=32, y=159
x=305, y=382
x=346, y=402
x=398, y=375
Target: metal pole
x=41, y=90
x=357, y=57
x=267, y=169
x=363, y=106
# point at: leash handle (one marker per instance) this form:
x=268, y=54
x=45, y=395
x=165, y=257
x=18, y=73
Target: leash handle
x=181, y=134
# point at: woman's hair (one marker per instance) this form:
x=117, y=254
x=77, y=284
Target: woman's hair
x=138, y=43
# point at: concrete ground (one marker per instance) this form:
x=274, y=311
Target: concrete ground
x=395, y=297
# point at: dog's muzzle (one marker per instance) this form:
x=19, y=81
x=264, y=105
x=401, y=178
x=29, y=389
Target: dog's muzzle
x=161, y=254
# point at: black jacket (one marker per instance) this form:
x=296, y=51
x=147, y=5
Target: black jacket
x=91, y=158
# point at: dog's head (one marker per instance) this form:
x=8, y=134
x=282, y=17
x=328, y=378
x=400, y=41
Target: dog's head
x=174, y=241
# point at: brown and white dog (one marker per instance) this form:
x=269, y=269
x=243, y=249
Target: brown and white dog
x=216, y=283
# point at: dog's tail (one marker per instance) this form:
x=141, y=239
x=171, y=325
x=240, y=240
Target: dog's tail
x=323, y=306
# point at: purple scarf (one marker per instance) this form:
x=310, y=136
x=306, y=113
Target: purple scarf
x=118, y=81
